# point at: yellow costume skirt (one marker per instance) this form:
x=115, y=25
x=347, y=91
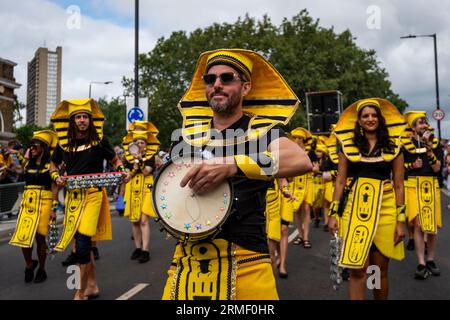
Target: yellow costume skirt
x=300, y=190
x=412, y=198
x=34, y=216
x=319, y=189
x=273, y=217
x=138, y=198
x=286, y=207
x=384, y=229
x=87, y=212
x=310, y=190
x=329, y=189
x=219, y=270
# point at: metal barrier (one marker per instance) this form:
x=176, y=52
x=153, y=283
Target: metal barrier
x=10, y=198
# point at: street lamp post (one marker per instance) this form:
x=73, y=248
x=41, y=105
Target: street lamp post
x=435, y=71
x=97, y=82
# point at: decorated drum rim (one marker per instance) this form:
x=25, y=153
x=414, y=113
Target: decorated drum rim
x=188, y=235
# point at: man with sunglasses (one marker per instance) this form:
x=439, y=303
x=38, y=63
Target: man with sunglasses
x=232, y=112
x=423, y=201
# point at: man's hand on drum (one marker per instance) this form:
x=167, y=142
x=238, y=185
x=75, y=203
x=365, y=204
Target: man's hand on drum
x=208, y=174
x=126, y=176
x=60, y=181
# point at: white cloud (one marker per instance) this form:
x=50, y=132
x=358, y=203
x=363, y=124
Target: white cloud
x=102, y=50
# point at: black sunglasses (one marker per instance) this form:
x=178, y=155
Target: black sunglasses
x=225, y=78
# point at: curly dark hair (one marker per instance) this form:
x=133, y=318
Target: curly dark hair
x=384, y=142
x=92, y=135
x=45, y=155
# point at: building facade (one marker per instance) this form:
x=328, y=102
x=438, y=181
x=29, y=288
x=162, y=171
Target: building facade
x=43, y=85
x=7, y=98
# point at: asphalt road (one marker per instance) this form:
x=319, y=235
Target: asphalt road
x=120, y=277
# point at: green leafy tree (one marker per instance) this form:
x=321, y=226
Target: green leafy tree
x=310, y=57
x=17, y=116
x=114, y=127
x=25, y=133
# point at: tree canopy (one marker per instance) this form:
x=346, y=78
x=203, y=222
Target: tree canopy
x=310, y=58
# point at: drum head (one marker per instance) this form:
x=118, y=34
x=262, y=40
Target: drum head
x=133, y=149
x=183, y=213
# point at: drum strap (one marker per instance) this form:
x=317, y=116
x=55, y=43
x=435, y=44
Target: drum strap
x=28, y=220
x=362, y=224
x=426, y=190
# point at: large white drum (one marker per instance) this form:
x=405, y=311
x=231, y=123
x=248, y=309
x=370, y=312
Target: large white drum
x=184, y=214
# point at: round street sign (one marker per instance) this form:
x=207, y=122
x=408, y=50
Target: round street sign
x=438, y=114
x=135, y=114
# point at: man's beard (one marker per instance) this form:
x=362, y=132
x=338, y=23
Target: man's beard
x=226, y=107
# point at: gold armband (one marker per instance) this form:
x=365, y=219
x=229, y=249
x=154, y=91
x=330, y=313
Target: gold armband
x=54, y=175
x=432, y=159
x=55, y=205
x=259, y=166
x=401, y=215
x=332, y=212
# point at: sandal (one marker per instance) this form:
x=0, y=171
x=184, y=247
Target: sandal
x=306, y=244
x=298, y=241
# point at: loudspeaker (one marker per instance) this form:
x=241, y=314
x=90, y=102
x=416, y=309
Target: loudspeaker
x=330, y=103
x=323, y=103
x=324, y=109
x=317, y=124
x=316, y=104
x=330, y=119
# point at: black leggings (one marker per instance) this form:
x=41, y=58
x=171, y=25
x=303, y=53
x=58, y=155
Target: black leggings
x=83, y=245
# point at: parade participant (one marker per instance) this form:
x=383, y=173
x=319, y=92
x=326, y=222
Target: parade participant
x=138, y=205
x=319, y=186
x=329, y=175
x=286, y=191
x=36, y=208
x=240, y=91
x=373, y=222
x=303, y=189
x=277, y=235
x=423, y=205
x=83, y=148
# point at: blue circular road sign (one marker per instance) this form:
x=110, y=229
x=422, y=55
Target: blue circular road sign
x=135, y=114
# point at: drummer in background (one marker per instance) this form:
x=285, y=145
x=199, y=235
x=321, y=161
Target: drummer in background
x=235, y=264
x=82, y=147
x=138, y=205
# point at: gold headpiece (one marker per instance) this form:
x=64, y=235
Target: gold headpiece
x=270, y=101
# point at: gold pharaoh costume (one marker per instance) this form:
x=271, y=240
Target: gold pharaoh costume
x=319, y=185
x=36, y=205
x=270, y=102
x=87, y=210
x=137, y=192
x=273, y=216
x=332, y=155
x=370, y=215
x=422, y=193
x=302, y=184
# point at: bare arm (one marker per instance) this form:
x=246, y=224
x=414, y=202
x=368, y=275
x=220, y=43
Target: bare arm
x=292, y=160
x=341, y=178
x=398, y=172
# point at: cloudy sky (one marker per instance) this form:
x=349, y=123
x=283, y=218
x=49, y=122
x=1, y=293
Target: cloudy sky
x=98, y=43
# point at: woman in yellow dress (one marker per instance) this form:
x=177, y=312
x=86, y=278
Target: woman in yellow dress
x=373, y=222
x=138, y=204
x=36, y=208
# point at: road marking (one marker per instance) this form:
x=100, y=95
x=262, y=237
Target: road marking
x=292, y=236
x=127, y=295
